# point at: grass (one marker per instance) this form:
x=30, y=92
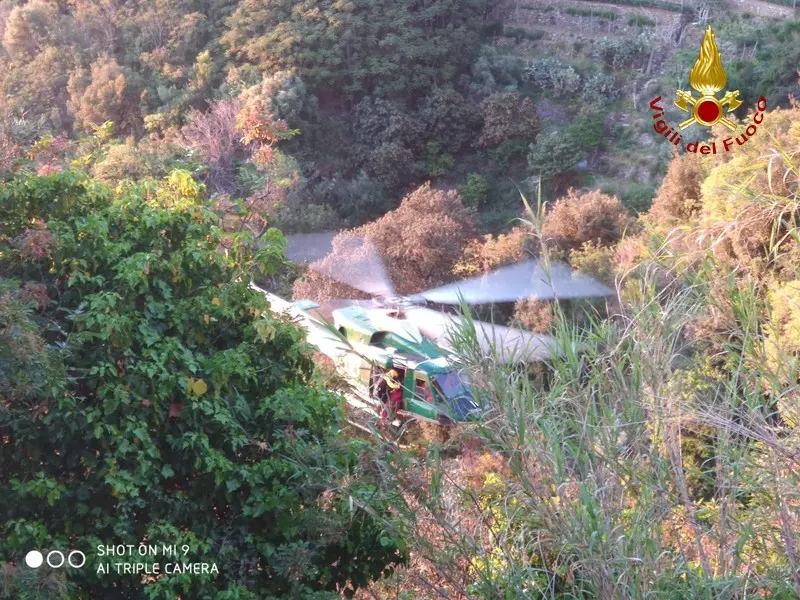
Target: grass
x=633, y=470
x=583, y=12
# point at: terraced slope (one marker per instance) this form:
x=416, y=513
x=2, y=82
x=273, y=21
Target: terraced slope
x=657, y=39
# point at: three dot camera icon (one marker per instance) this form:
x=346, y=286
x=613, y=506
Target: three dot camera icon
x=55, y=559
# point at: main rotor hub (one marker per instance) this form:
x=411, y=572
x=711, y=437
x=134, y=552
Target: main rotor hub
x=398, y=304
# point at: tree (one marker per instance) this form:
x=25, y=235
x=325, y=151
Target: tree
x=108, y=92
x=30, y=28
x=449, y=119
x=420, y=241
x=215, y=135
x=178, y=409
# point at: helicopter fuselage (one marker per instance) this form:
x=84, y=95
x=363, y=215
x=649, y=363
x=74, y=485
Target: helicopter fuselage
x=365, y=343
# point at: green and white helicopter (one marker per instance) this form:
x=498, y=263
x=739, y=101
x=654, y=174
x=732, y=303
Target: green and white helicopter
x=366, y=339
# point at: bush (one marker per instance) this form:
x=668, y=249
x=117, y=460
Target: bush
x=392, y=165
x=620, y=53
x=109, y=92
x=594, y=259
x=587, y=131
x=183, y=412
x=293, y=217
x=378, y=122
x=489, y=252
x=553, y=76
x=641, y=21
x=584, y=12
x=599, y=90
x=493, y=72
x=475, y=191
x=216, y=138
x=285, y=95
x=123, y=161
x=508, y=157
x=521, y=33
x=782, y=349
x=436, y=163
x=356, y=201
x=679, y=196
x=449, y=120
x=553, y=155
x=534, y=315
x=660, y=4
x=492, y=29
x=580, y=218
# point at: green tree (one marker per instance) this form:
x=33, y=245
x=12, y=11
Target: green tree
x=450, y=121
x=553, y=155
x=181, y=412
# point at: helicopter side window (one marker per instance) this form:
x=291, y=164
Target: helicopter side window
x=422, y=392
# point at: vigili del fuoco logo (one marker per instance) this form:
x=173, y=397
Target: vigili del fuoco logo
x=707, y=77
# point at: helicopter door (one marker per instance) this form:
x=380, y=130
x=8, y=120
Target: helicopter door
x=422, y=402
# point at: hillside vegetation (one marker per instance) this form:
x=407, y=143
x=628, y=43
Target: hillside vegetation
x=152, y=154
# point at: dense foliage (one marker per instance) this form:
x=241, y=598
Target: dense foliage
x=147, y=394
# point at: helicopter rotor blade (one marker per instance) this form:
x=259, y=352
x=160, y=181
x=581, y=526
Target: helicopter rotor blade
x=528, y=279
x=356, y=262
x=504, y=343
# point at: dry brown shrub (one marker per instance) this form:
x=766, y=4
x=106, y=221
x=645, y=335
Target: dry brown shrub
x=37, y=243
x=629, y=253
x=476, y=470
x=35, y=293
x=750, y=199
x=678, y=198
x=579, y=218
x=534, y=315
x=489, y=252
x=420, y=243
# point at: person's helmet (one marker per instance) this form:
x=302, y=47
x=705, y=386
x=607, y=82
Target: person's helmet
x=394, y=374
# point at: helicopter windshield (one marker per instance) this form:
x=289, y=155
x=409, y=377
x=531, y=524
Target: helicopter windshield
x=453, y=387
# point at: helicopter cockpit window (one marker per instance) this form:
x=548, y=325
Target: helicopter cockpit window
x=451, y=385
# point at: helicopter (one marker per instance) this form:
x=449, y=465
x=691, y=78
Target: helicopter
x=367, y=339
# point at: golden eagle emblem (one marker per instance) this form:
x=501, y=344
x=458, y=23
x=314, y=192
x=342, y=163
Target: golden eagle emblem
x=708, y=77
